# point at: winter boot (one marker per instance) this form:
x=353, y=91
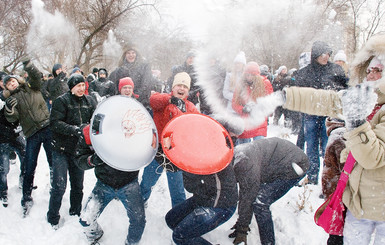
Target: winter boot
x=4, y=200
x=27, y=205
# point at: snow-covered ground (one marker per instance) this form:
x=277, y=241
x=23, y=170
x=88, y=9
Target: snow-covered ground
x=292, y=214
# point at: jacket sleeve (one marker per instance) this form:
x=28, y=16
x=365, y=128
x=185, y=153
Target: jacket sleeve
x=367, y=144
x=83, y=155
x=248, y=191
x=12, y=116
x=145, y=90
x=313, y=101
x=159, y=102
x=34, y=76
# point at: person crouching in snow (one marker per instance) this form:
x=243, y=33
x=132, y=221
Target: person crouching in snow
x=111, y=183
x=266, y=170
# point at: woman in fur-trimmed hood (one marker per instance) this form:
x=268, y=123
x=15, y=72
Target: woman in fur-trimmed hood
x=365, y=138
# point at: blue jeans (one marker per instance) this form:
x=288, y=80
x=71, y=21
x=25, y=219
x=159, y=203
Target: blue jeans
x=269, y=193
x=34, y=142
x=150, y=176
x=61, y=163
x=5, y=148
x=4, y=169
x=248, y=140
x=189, y=221
x=103, y=194
x=315, y=136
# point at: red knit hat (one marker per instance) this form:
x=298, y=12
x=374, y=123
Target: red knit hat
x=252, y=68
x=127, y=81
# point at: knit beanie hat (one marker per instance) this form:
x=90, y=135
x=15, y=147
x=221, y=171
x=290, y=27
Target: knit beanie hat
x=127, y=81
x=182, y=78
x=340, y=56
x=240, y=58
x=75, y=79
x=252, y=68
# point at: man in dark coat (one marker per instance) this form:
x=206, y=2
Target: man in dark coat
x=266, y=170
x=57, y=86
x=319, y=74
x=102, y=87
x=69, y=112
x=27, y=105
x=133, y=65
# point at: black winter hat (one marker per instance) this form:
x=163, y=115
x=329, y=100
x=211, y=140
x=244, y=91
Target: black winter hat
x=103, y=69
x=95, y=70
x=319, y=48
x=74, y=80
x=55, y=68
x=7, y=77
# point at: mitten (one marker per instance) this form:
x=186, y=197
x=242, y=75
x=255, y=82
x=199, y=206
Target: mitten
x=179, y=103
x=357, y=103
x=10, y=104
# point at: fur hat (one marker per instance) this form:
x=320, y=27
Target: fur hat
x=374, y=47
x=340, y=56
x=182, y=78
x=252, y=68
x=75, y=79
x=240, y=58
x=375, y=63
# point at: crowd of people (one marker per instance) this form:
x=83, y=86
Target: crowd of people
x=55, y=110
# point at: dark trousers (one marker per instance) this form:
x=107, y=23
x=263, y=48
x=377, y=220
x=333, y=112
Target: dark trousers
x=267, y=195
x=34, y=142
x=189, y=221
x=61, y=163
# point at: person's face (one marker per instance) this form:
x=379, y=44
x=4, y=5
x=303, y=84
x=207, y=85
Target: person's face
x=130, y=56
x=374, y=74
x=127, y=90
x=102, y=75
x=12, y=84
x=323, y=59
x=248, y=77
x=190, y=60
x=79, y=89
x=180, y=91
x=58, y=71
x=284, y=71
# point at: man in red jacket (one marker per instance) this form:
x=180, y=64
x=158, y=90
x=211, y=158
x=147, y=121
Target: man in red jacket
x=165, y=107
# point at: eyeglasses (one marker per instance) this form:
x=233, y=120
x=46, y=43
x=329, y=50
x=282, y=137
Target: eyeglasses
x=373, y=70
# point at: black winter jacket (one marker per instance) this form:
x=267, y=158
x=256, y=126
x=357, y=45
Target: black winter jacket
x=68, y=113
x=217, y=190
x=264, y=161
x=7, y=129
x=141, y=75
x=106, y=174
x=55, y=87
x=103, y=87
x=330, y=76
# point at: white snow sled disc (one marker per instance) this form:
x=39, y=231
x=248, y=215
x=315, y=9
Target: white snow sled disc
x=123, y=133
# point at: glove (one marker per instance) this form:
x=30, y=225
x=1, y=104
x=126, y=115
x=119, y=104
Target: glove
x=95, y=160
x=240, y=234
x=10, y=104
x=357, y=103
x=179, y=103
x=78, y=131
